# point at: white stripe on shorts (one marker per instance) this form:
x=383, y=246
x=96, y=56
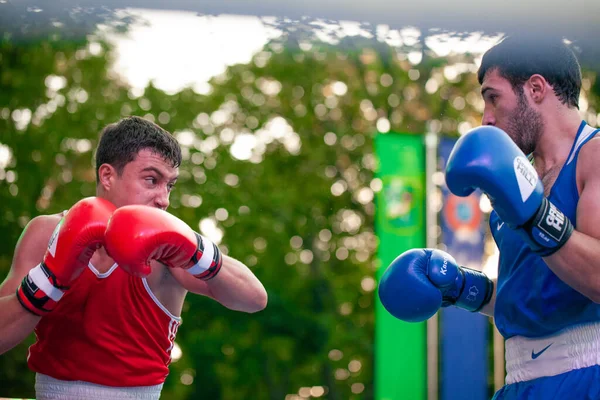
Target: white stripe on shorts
x=572, y=348
x=48, y=388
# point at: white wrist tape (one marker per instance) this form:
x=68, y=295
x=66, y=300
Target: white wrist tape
x=205, y=262
x=40, y=279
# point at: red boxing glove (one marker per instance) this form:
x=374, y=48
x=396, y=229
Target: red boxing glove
x=75, y=239
x=139, y=234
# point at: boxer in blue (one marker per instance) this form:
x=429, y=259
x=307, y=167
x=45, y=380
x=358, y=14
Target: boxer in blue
x=546, y=223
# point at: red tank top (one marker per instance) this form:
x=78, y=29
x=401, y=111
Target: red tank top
x=108, y=329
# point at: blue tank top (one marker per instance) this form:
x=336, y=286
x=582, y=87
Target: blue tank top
x=530, y=300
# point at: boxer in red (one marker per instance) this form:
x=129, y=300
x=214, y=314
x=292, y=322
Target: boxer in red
x=103, y=284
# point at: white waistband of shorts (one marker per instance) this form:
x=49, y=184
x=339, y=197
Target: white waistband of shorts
x=572, y=348
x=48, y=388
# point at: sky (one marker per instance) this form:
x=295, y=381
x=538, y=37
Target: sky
x=176, y=49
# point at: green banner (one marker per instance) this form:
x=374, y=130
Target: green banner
x=400, y=347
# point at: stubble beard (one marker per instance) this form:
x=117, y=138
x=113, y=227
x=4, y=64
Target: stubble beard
x=525, y=125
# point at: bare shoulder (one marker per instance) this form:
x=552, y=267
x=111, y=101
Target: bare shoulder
x=36, y=235
x=30, y=249
x=41, y=227
x=588, y=150
x=588, y=163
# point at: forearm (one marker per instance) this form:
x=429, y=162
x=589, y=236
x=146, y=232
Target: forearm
x=237, y=288
x=488, y=309
x=576, y=264
x=16, y=322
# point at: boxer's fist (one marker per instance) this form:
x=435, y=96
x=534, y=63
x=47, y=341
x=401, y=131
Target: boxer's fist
x=138, y=234
x=486, y=158
x=75, y=239
x=420, y=281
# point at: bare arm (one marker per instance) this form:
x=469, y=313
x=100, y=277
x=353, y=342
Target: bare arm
x=576, y=263
x=16, y=322
x=488, y=309
x=235, y=287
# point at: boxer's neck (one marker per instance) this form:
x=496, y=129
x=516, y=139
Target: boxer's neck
x=556, y=141
x=102, y=261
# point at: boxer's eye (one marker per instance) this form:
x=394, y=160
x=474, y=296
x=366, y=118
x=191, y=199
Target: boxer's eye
x=492, y=98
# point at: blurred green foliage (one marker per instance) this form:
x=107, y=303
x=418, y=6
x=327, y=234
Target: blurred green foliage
x=299, y=212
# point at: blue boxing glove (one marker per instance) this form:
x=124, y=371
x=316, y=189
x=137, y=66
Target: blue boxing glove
x=420, y=281
x=486, y=158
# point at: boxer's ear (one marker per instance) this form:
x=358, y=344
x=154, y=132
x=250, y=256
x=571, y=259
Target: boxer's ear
x=106, y=176
x=538, y=87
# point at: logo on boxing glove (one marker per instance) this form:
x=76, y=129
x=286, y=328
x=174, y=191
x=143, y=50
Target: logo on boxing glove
x=53, y=239
x=553, y=226
x=527, y=178
x=550, y=228
x=473, y=292
x=444, y=269
x=555, y=218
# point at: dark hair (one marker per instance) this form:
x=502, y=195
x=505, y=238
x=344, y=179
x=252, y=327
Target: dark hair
x=122, y=141
x=518, y=58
